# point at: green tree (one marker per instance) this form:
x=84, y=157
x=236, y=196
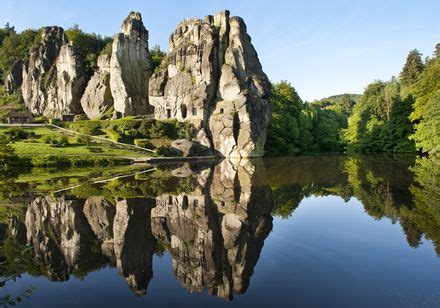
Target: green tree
x=426, y=108
x=379, y=122
x=157, y=56
x=88, y=46
x=16, y=47
x=6, y=31
x=283, y=132
x=412, y=68
x=437, y=51
x=8, y=158
x=347, y=103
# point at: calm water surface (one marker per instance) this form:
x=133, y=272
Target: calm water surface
x=305, y=231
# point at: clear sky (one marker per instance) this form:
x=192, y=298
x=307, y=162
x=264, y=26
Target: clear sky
x=322, y=47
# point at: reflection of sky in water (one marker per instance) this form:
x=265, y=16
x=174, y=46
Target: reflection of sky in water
x=328, y=252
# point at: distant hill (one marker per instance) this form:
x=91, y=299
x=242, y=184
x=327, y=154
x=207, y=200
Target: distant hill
x=344, y=101
x=335, y=99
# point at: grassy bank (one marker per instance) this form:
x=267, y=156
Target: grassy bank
x=46, y=147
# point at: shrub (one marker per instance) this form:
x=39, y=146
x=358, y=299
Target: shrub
x=50, y=139
x=143, y=143
x=96, y=150
x=54, y=121
x=81, y=139
x=185, y=130
x=167, y=151
x=18, y=133
x=39, y=120
x=86, y=127
x=81, y=117
x=113, y=135
x=63, y=141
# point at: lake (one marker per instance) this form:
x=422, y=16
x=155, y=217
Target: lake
x=322, y=231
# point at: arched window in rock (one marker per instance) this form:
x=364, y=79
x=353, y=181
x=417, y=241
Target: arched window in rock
x=222, y=110
x=168, y=113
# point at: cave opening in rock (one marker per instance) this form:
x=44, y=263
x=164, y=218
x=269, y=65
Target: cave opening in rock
x=221, y=110
x=185, y=202
x=168, y=113
x=236, y=126
x=183, y=110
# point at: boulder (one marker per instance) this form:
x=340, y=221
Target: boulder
x=14, y=79
x=188, y=148
x=53, y=77
x=215, y=80
x=97, y=98
x=130, y=67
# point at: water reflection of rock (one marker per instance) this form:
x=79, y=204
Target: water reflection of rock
x=77, y=236
x=216, y=232
x=134, y=242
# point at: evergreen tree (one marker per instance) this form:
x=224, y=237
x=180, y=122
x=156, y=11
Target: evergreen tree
x=437, y=51
x=157, y=56
x=412, y=68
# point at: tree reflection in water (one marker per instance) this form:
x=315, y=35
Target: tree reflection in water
x=211, y=218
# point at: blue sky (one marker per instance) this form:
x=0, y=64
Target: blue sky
x=322, y=47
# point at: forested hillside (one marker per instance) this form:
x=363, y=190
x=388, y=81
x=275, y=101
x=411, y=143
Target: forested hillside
x=400, y=115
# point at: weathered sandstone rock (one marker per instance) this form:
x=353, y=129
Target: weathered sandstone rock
x=189, y=149
x=215, y=80
x=14, y=79
x=130, y=67
x=97, y=98
x=53, y=77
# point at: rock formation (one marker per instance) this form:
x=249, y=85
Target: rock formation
x=59, y=233
x=130, y=67
x=211, y=77
x=212, y=221
x=134, y=243
x=97, y=98
x=53, y=77
x=14, y=79
x=214, y=79
x=216, y=232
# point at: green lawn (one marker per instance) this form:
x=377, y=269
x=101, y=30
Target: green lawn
x=36, y=146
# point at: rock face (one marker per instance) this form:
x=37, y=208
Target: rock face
x=212, y=220
x=97, y=98
x=216, y=232
x=53, y=77
x=130, y=67
x=134, y=243
x=188, y=148
x=14, y=79
x=215, y=80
